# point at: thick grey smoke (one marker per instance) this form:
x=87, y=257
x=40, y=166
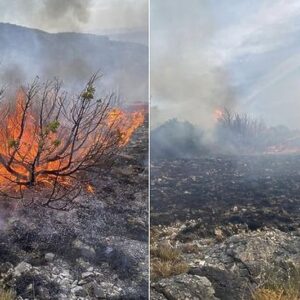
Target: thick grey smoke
x=73, y=57
x=54, y=15
x=239, y=54
x=59, y=13
x=93, y=16
x=210, y=55
x=185, y=81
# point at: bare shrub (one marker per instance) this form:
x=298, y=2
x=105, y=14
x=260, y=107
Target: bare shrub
x=240, y=131
x=49, y=141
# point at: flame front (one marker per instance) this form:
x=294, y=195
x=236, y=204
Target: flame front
x=127, y=123
x=22, y=142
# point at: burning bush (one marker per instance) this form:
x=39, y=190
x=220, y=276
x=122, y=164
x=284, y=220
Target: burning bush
x=49, y=140
x=240, y=131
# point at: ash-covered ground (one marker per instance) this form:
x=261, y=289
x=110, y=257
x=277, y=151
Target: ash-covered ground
x=98, y=250
x=233, y=219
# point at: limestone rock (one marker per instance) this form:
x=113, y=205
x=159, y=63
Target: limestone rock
x=186, y=286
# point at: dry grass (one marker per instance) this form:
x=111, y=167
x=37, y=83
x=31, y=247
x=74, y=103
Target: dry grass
x=166, y=261
x=162, y=269
x=280, y=294
x=278, y=287
x=7, y=295
x=166, y=253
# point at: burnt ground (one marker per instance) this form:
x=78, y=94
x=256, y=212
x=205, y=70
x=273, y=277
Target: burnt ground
x=256, y=191
x=98, y=250
x=229, y=208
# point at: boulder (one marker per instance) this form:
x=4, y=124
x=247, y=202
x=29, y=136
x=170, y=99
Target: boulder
x=186, y=286
x=22, y=268
x=49, y=257
x=84, y=250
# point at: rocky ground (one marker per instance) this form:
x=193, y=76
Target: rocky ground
x=95, y=251
x=234, y=221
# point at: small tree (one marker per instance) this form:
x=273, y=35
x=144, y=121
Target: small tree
x=49, y=140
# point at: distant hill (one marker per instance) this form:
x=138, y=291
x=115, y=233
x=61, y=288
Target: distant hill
x=25, y=53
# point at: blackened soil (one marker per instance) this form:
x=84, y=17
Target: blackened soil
x=252, y=191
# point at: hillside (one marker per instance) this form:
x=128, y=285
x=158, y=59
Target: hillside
x=26, y=53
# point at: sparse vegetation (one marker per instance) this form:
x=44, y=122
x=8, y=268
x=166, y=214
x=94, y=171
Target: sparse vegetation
x=166, y=253
x=165, y=260
x=167, y=268
x=241, y=124
x=268, y=294
x=280, y=286
x=7, y=295
x=241, y=131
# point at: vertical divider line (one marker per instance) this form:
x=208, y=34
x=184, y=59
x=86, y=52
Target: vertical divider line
x=149, y=142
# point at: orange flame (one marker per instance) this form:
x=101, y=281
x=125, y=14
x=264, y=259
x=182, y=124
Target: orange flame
x=218, y=114
x=127, y=123
x=90, y=189
x=25, y=149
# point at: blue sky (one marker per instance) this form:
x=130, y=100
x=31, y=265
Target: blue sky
x=241, y=54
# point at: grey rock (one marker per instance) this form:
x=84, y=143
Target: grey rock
x=85, y=250
x=98, y=291
x=83, y=281
x=65, y=273
x=186, y=286
x=86, y=275
x=251, y=254
x=4, y=267
x=154, y=295
x=49, y=257
x=29, y=287
x=22, y=268
x=79, y=291
x=44, y=292
x=227, y=285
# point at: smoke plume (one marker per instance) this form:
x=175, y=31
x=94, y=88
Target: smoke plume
x=240, y=54
x=185, y=81
x=59, y=13
x=93, y=16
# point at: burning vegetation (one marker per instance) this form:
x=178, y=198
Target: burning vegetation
x=49, y=141
x=225, y=206
x=232, y=133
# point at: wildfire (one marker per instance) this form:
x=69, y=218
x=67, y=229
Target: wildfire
x=127, y=123
x=26, y=144
x=218, y=114
x=90, y=189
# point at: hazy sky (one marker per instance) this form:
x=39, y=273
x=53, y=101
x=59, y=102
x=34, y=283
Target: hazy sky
x=95, y=16
x=240, y=54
